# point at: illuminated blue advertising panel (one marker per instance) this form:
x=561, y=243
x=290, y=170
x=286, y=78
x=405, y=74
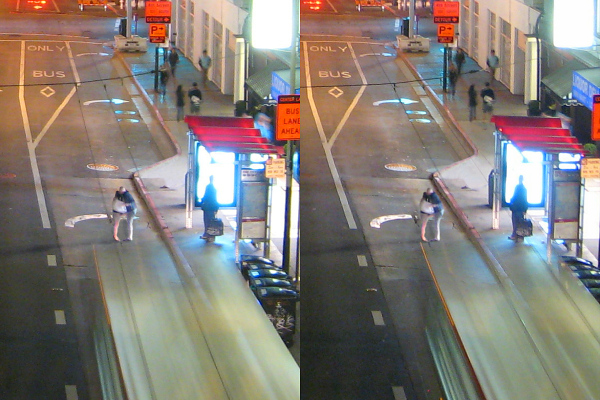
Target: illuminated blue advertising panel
x=530, y=164
x=223, y=167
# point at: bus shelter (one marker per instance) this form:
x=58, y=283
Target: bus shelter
x=232, y=151
x=548, y=156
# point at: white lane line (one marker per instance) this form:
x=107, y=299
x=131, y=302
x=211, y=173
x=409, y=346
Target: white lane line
x=71, y=392
x=332, y=7
x=30, y=147
x=362, y=260
x=54, y=116
x=334, y=173
x=354, y=101
x=378, y=318
x=72, y=62
x=59, y=316
x=51, y=260
x=398, y=392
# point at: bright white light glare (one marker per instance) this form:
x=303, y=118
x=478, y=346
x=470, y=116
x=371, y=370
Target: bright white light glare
x=221, y=165
x=573, y=23
x=272, y=24
x=530, y=165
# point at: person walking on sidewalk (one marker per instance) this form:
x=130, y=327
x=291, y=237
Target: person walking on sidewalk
x=493, y=62
x=488, y=96
x=195, y=96
x=164, y=72
x=453, y=78
x=431, y=207
x=518, y=207
x=180, y=102
x=209, y=206
x=123, y=208
x=459, y=60
x=204, y=62
x=173, y=60
x=472, y=103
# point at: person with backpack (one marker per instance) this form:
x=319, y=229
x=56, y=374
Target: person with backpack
x=488, y=96
x=195, y=96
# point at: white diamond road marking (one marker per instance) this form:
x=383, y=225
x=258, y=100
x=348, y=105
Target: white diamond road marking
x=47, y=91
x=336, y=92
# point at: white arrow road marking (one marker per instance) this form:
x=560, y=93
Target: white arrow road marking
x=378, y=54
x=70, y=223
x=92, y=54
x=114, y=101
x=376, y=223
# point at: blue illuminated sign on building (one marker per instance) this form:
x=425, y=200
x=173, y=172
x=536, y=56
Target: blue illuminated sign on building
x=583, y=89
x=280, y=83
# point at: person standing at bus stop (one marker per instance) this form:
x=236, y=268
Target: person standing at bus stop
x=518, y=207
x=209, y=205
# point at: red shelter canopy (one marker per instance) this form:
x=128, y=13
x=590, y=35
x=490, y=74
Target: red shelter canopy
x=538, y=134
x=231, y=134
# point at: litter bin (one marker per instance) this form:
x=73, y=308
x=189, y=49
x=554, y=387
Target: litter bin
x=258, y=283
x=280, y=306
x=268, y=273
x=248, y=266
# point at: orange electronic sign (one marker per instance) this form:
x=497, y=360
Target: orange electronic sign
x=158, y=12
x=596, y=118
x=446, y=12
x=288, y=117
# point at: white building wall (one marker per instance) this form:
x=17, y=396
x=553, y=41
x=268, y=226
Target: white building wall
x=520, y=17
x=190, y=34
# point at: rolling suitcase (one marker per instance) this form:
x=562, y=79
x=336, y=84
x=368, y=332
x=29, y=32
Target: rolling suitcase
x=524, y=228
x=215, y=228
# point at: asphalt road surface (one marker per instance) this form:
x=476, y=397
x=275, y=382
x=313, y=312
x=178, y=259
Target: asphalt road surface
x=364, y=289
x=67, y=123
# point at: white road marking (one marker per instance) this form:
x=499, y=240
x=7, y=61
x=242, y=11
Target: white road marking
x=362, y=260
x=398, y=392
x=332, y=7
x=336, y=177
x=71, y=392
x=70, y=223
x=72, y=63
x=30, y=146
x=59, y=317
x=54, y=116
x=91, y=54
x=376, y=222
x=378, y=54
x=378, y=318
x=51, y=260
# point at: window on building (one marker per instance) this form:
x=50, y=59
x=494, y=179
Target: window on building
x=464, y=34
x=475, y=37
x=505, y=52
